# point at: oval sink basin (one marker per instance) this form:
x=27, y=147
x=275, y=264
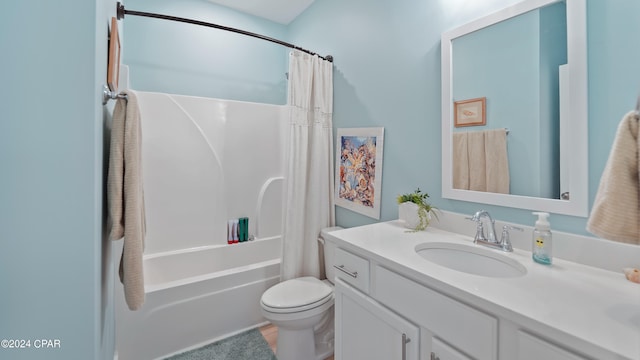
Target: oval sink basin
x=471, y=259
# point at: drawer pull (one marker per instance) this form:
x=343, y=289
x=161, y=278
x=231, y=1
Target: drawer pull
x=434, y=356
x=405, y=341
x=353, y=274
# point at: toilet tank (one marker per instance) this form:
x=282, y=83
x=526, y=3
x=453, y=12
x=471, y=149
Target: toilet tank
x=328, y=247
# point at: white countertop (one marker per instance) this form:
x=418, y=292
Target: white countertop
x=581, y=306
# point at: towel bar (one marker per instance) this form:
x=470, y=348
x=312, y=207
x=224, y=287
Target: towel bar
x=107, y=95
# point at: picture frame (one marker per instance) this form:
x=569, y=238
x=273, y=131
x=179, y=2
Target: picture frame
x=471, y=112
x=358, y=182
x=113, y=64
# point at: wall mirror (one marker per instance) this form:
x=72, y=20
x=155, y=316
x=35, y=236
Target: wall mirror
x=528, y=63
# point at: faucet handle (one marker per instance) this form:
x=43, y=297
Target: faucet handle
x=511, y=227
x=479, y=230
x=505, y=241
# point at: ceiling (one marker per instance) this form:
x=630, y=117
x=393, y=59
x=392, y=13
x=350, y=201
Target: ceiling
x=280, y=11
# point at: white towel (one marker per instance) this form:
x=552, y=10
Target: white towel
x=477, y=161
x=497, y=162
x=615, y=213
x=480, y=161
x=460, y=161
x=125, y=196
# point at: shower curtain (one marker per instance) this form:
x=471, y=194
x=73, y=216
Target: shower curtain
x=308, y=203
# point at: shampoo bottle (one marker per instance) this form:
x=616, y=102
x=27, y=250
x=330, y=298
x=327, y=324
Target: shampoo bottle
x=236, y=239
x=230, y=232
x=541, y=247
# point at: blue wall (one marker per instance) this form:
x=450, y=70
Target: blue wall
x=186, y=59
x=55, y=266
x=387, y=73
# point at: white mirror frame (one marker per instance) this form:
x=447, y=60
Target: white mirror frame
x=573, y=97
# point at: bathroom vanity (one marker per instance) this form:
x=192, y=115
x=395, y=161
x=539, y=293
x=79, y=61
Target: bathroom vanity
x=393, y=303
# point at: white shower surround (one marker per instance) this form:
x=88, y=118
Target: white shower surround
x=204, y=161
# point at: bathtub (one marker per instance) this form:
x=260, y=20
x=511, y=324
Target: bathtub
x=196, y=296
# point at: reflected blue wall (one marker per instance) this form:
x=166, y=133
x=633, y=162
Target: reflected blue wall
x=514, y=64
x=502, y=63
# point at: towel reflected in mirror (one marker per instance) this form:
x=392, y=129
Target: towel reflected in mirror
x=480, y=161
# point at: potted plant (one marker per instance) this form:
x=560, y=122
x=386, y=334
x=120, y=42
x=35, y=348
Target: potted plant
x=415, y=210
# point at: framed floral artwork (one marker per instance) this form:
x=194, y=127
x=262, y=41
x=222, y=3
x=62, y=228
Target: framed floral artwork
x=359, y=169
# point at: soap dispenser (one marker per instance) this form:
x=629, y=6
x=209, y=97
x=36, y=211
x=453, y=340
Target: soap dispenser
x=541, y=248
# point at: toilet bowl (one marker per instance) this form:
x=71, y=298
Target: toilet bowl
x=302, y=309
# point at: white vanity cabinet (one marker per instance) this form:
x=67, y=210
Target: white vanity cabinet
x=453, y=330
x=381, y=314
x=386, y=325
x=385, y=288
x=364, y=328
x=367, y=330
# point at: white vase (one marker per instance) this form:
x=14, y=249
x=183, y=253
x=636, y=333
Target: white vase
x=408, y=214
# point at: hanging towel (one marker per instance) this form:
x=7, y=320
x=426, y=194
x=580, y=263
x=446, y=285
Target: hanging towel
x=497, y=162
x=480, y=161
x=477, y=161
x=125, y=196
x=615, y=214
x=460, y=161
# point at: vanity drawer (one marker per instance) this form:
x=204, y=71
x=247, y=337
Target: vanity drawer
x=352, y=269
x=468, y=330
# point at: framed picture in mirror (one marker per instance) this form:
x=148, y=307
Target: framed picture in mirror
x=470, y=112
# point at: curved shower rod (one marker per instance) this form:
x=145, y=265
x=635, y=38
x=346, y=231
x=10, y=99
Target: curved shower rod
x=121, y=12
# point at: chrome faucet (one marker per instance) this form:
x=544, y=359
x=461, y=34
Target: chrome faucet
x=491, y=240
x=491, y=237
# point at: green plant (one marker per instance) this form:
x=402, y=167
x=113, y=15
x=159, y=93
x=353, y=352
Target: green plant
x=424, y=208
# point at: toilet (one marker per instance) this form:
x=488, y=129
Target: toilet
x=302, y=309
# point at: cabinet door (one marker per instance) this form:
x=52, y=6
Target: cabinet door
x=463, y=327
x=442, y=351
x=367, y=330
x=533, y=348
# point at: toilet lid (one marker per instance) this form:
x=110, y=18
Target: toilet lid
x=296, y=293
